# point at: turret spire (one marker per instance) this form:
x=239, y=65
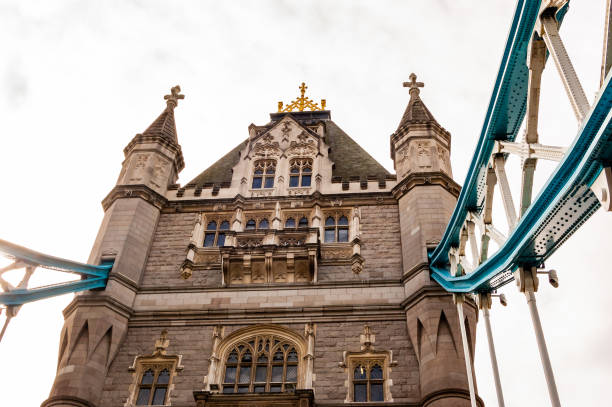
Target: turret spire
x=416, y=111
x=164, y=125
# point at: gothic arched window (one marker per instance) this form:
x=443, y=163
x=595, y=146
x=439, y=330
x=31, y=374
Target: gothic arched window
x=263, y=224
x=303, y=222
x=289, y=223
x=300, y=172
x=336, y=229
x=153, y=387
x=368, y=382
x=250, y=225
x=215, y=236
x=263, y=174
x=261, y=364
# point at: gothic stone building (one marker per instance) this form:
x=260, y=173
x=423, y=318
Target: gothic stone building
x=291, y=272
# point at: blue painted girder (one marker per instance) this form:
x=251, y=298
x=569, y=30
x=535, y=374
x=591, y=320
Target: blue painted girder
x=562, y=206
x=502, y=121
x=91, y=276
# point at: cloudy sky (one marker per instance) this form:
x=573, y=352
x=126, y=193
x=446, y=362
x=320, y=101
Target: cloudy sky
x=79, y=78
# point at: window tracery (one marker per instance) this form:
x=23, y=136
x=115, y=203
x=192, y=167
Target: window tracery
x=368, y=371
x=153, y=376
x=263, y=174
x=215, y=233
x=300, y=172
x=261, y=363
x=336, y=228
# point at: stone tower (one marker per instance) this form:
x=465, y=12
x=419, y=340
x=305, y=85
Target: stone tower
x=96, y=323
x=291, y=272
x=426, y=195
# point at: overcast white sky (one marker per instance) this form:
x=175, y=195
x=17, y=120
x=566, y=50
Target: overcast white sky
x=79, y=78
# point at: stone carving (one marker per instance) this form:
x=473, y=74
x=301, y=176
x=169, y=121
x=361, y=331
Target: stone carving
x=286, y=242
x=267, y=148
x=299, y=191
x=249, y=243
x=336, y=253
x=423, y=155
x=305, y=148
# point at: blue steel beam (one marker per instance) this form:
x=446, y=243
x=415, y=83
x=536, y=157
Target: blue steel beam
x=44, y=260
x=502, y=121
x=91, y=276
x=22, y=296
x=562, y=206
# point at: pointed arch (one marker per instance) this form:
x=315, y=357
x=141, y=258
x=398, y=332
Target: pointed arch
x=80, y=346
x=445, y=334
x=275, y=360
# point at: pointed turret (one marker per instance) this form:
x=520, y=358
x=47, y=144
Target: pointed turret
x=160, y=169
x=426, y=196
x=419, y=144
x=416, y=111
x=164, y=126
x=96, y=323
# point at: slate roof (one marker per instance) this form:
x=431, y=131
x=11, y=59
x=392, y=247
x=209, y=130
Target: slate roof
x=163, y=126
x=416, y=112
x=351, y=161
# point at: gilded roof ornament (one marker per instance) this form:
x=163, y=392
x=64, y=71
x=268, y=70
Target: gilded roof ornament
x=301, y=103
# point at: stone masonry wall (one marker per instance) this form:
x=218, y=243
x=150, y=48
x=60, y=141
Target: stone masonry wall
x=168, y=253
x=381, y=246
x=194, y=343
x=334, y=338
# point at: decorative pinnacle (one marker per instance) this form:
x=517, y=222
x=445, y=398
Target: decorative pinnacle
x=174, y=96
x=301, y=103
x=413, y=85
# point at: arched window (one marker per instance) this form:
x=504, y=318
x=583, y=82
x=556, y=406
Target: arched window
x=153, y=387
x=263, y=224
x=368, y=382
x=336, y=229
x=289, y=223
x=250, y=225
x=300, y=172
x=261, y=364
x=303, y=222
x=215, y=236
x=263, y=174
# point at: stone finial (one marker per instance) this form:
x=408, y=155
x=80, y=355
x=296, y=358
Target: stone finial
x=162, y=343
x=413, y=85
x=174, y=96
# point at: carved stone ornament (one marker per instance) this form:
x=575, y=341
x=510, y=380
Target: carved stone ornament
x=249, y=243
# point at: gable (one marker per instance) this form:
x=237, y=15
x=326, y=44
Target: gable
x=350, y=160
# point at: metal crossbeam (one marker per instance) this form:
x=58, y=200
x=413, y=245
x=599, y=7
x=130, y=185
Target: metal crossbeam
x=91, y=276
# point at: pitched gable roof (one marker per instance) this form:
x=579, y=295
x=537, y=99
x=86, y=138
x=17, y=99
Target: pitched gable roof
x=350, y=160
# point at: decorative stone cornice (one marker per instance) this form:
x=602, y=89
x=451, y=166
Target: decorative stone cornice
x=134, y=191
x=97, y=301
x=426, y=178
